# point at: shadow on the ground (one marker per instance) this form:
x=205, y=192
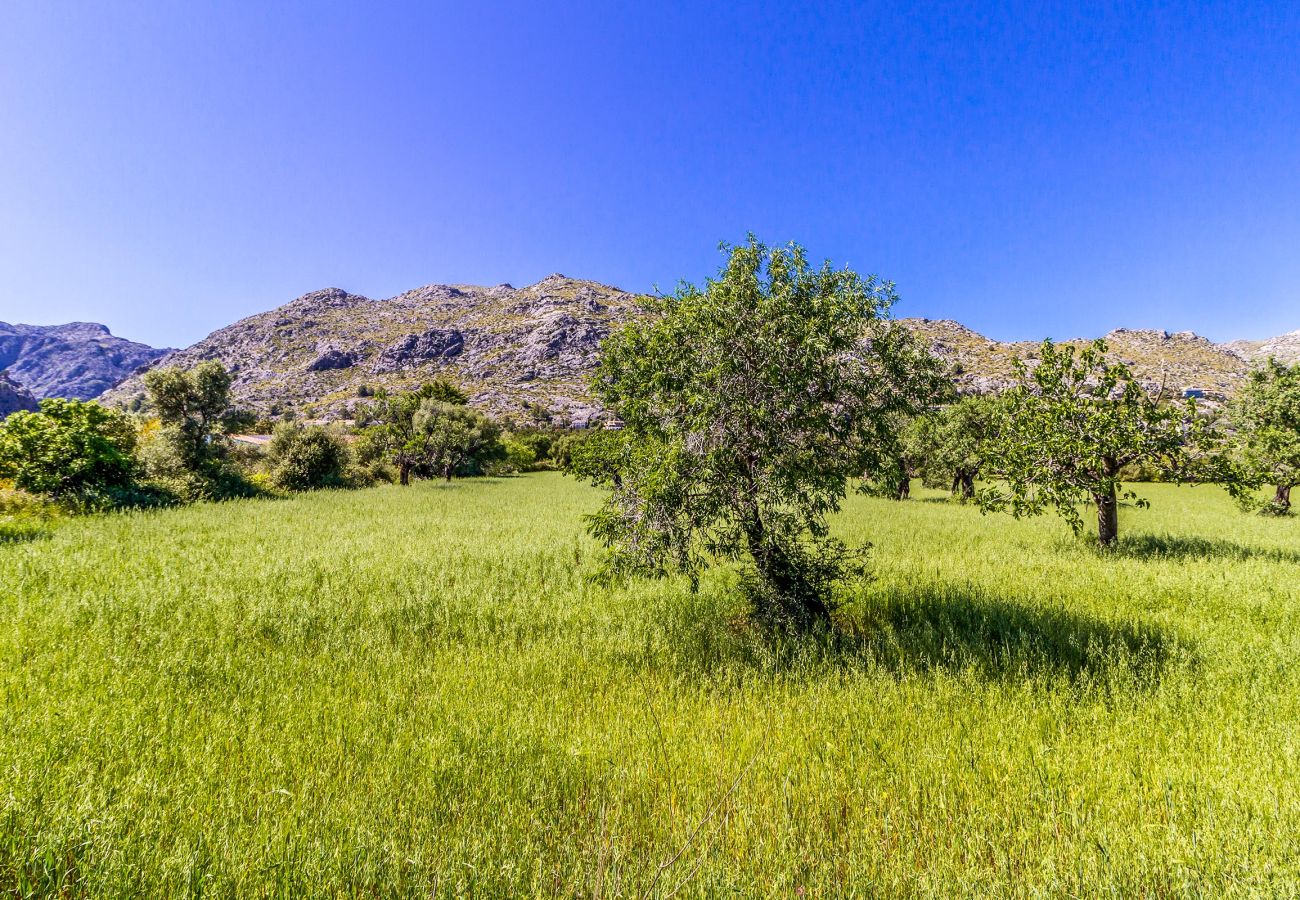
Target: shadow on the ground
x=956, y=629
x=1169, y=546
x=21, y=535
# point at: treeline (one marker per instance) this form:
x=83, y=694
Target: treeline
x=181, y=446
x=753, y=402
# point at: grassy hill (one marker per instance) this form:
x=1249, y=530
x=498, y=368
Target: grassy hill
x=428, y=696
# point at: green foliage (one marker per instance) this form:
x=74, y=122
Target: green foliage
x=746, y=406
x=948, y=444
x=69, y=450
x=238, y=700
x=307, y=458
x=188, y=455
x=1067, y=431
x=1265, y=415
x=456, y=440
x=428, y=432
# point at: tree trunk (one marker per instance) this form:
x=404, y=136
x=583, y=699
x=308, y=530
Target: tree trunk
x=1282, y=498
x=966, y=485
x=446, y=472
x=1107, y=516
x=904, y=489
x=796, y=601
x=404, y=474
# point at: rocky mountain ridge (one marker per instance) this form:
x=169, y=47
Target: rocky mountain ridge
x=531, y=350
x=1179, y=361
x=79, y=360
x=513, y=350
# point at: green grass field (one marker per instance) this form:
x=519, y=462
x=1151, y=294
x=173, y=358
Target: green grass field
x=421, y=691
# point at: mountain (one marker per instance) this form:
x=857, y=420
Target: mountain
x=1284, y=348
x=79, y=360
x=13, y=397
x=509, y=348
x=513, y=349
x=1178, y=361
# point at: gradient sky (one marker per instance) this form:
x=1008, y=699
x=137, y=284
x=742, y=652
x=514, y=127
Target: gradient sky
x=1025, y=168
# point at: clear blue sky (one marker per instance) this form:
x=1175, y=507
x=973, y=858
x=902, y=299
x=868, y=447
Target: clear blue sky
x=1028, y=169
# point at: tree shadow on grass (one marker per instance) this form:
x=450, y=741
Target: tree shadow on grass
x=948, y=628
x=21, y=534
x=1169, y=546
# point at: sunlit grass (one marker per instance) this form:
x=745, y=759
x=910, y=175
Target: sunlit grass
x=421, y=691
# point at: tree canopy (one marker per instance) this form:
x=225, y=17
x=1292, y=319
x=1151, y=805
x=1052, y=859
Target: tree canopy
x=1265, y=415
x=1074, y=421
x=746, y=404
x=69, y=449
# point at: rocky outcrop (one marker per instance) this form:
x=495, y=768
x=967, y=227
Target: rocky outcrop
x=414, y=350
x=13, y=397
x=1284, y=348
x=79, y=360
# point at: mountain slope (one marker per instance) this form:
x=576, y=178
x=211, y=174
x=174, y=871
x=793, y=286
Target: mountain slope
x=1179, y=361
x=79, y=360
x=514, y=349
x=509, y=348
x=13, y=397
x=1284, y=348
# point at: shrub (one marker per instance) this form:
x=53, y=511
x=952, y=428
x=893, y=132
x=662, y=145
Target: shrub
x=304, y=459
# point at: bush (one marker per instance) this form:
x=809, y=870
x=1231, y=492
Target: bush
x=304, y=459
x=76, y=452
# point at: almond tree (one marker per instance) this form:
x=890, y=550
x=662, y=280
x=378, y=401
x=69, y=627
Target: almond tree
x=1266, y=417
x=747, y=404
x=1069, y=428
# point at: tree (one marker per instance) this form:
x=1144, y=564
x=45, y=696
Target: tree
x=192, y=407
x=747, y=404
x=69, y=449
x=428, y=431
x=1068, y=428
x=307, y=458
x=1265, y=415
x=948, y=444
x=456, y=439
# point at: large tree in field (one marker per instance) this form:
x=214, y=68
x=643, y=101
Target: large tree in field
x=1265, y=415
x=429, y=431
x=1070, y=426
x=747, y=404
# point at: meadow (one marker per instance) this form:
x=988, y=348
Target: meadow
x=424, y=691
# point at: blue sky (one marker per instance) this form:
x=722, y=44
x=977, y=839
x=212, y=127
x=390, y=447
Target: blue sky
x=1030, y=169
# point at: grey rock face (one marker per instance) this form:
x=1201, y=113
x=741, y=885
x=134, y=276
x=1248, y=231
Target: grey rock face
x=13, y=397
x=513, y=350
x=417, y=349
x=78, y=361
x=332, y=358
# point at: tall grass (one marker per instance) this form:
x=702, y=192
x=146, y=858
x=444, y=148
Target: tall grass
x=421, y=691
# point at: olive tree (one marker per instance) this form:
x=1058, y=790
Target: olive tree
x=746, y=405
x=1074, y=421
x=1265, y=416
